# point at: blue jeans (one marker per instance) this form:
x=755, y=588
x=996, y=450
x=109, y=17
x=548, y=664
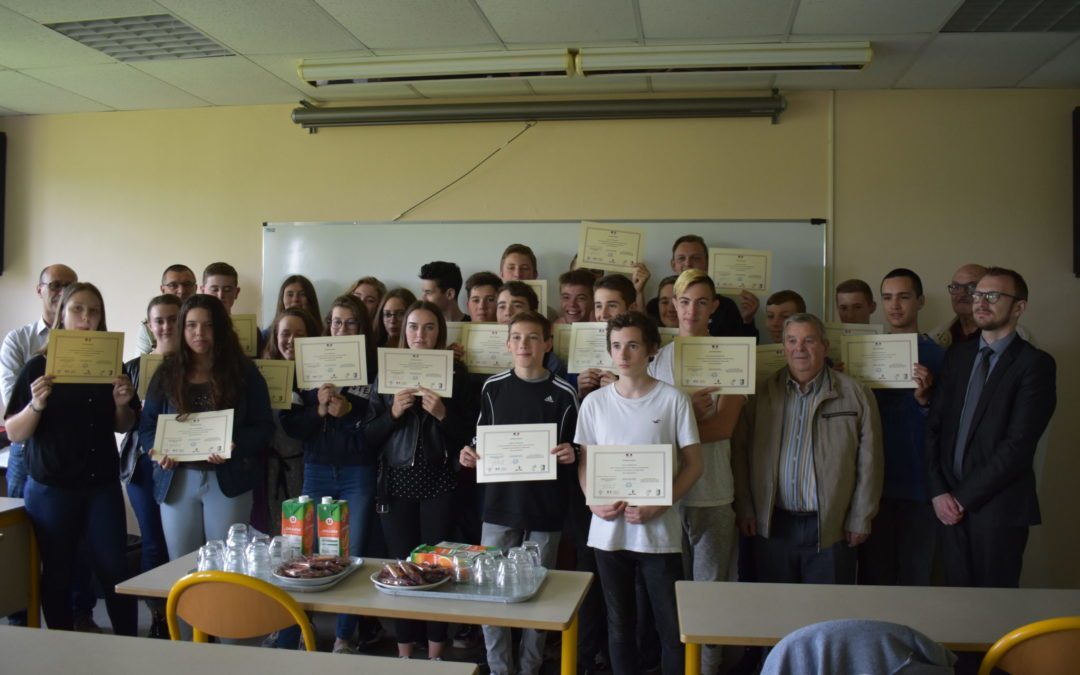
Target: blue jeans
x=659, y=572
x=140, y=492
x=16, y=471
x=62, y=518
x=356, y=485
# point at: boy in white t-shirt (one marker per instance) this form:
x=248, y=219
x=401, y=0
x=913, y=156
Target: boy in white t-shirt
x=708, y=520
x=638, y=409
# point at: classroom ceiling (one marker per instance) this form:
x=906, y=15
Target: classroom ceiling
x=917, y=44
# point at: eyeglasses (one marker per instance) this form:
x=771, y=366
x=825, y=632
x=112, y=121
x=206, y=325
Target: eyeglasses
x=398, y=314
x=56, y=286
x=958, y=289
x=991, y=297
x=348, y=323
x=177, y=285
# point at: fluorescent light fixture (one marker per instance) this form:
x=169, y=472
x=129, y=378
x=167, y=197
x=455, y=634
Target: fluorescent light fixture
x=434, y=67
x=724, y=58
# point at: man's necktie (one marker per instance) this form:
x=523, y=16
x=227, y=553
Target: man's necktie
x=971, y=402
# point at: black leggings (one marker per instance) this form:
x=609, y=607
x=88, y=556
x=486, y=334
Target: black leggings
x=409, y=523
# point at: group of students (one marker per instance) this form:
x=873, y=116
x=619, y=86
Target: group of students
x=403, y=461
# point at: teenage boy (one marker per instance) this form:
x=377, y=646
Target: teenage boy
x=517, y=296
x=221, y=280
x=518, y=263
x=526, y=510
x=440, y=284
x=177, y=280
x=708, y=520
x=778, y=307
x=482, y=291
x=854, y=301
x=639, y=410
x=903, y=535
x=576, y=296
x=613, y=295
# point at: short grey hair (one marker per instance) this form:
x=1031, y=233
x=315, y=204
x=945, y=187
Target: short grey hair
x=806, y=317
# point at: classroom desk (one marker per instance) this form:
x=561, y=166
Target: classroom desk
x=965, y=619
x=19, y=587
x=555, y=607
x=54, y=651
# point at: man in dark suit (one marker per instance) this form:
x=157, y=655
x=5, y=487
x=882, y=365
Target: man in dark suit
x=992, y=402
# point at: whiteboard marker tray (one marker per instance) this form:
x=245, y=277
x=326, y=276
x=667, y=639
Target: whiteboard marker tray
x=456, y=591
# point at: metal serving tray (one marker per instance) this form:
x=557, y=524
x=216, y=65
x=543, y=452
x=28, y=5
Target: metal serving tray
x=456, y=591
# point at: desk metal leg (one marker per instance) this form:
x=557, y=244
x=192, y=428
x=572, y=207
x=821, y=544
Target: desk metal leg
x=569, y=648
x=33, y=609
x=693, y=659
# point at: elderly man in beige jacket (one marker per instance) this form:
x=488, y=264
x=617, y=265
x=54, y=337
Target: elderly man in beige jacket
x=809, y=473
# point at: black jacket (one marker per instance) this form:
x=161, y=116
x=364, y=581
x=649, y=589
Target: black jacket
x=998, y=485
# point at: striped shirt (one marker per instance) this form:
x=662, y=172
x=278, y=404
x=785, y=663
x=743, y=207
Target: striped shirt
x=797, y=482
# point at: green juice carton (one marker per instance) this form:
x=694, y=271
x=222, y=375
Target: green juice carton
x=333, y=527
x=298, y=524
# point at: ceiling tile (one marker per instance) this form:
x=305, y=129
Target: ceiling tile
x=892, y=56
x=712, y=20
x=414, y=24
x=27, y=95
x=284, y=67
x=266, y=26
x=494, y=87
x=871, y=17
x=25, y=43
x=980, y=60
x=230, y=80
x=119, y=86
x=55, y=11
x=703, y=82
x=607, y=84
x=1061, y=71
x=568, y=23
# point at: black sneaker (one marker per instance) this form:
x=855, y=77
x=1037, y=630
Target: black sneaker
x=468, y=637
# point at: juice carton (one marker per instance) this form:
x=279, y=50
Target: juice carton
x=333, y=526
x=298, y=524
x=444, y=552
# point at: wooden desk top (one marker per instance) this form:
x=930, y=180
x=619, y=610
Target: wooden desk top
x=968, y=619
x=553, y=608
x=10, y=504
x=34, y=650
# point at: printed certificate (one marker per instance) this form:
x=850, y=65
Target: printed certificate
x=725, y=362
x=667, y=335
x=453, y=332
x=195, y=437
x=248, y=333
x=560, y=340
x=341, y=361
x=881, y=361
x=485, y=348
x=735, y=269
x=540, y=286
x=770, y=358
x=409, y=368
x=148, y=365
x=835, y=332
x=588, y=347
x=641, y=475
x=513, y=452
x=610, y=247
x=84, y=356
x=279, y=376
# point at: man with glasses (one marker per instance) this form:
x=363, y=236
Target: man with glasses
x=994, y=398
x=177, y=280
x=962, y=326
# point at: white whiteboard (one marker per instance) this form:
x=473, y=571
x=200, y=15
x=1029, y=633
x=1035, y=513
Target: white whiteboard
x=335, y=254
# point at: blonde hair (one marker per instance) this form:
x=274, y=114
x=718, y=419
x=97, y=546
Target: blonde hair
x=691, y=276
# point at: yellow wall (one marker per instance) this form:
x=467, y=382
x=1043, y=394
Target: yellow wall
x=922, y=179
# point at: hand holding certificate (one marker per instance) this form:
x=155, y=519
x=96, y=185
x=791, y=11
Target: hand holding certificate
x=341, y=361
x=610, y=247
x=194, y=437
x=881, y=361
x=724, y=362
x=516, y=452
x=406, y=369
x=84, y=356
x=279, y=376
x=639, y=475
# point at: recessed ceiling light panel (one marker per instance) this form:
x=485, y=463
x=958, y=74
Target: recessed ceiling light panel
x=142, y=38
